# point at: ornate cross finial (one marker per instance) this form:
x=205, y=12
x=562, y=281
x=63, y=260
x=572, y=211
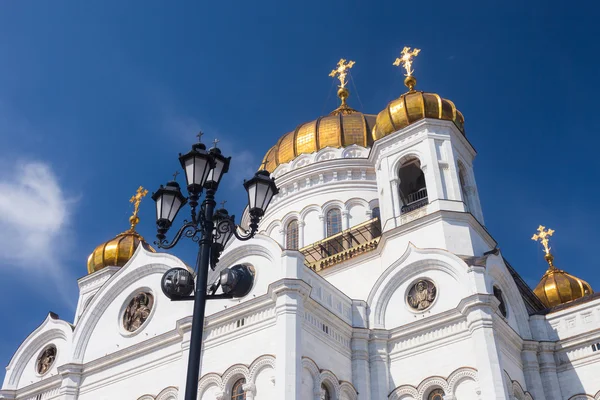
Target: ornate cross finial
x=542, y=237
x=136, y=200
x=199, y=136
x=405, y=59
x=215, y=142
x=341, y=71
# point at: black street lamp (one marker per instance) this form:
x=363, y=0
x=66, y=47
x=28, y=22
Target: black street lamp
x=211, y=230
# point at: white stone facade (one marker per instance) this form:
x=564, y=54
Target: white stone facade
x=348, y=329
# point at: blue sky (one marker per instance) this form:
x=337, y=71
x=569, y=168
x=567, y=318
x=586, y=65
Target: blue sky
x=97, y=98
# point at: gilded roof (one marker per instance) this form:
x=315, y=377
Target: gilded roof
x=117, y=251
x=414, y=106
x=340, y=129
x=558, y=287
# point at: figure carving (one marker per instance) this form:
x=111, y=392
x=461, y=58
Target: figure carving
x=421, y=295
x=137, y=311
x=46, y=360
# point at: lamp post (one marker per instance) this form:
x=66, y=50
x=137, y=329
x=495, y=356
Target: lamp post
x=211, y=230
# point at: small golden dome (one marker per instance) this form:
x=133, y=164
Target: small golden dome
x=343, y=127
x=117, y=251
x=414, y=106
x=557, y=287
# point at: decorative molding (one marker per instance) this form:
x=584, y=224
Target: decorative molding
x=448, y=385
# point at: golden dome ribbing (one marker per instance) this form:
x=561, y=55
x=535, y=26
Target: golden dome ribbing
x=556, y=286
x=119, y=250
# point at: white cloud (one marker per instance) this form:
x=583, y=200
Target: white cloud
x=34, y=217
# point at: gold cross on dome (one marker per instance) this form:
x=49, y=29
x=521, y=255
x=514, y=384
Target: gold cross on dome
x=136, y=200
x=542, y=236
x=406, y=59
x=341, y=71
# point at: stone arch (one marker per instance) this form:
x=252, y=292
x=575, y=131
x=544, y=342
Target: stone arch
x=354, y=151
x=169, y=393
x=356, y=201
x=146, y=397
x=348, y=391
x=430, y=384
x=207, y=381
x=50, y=330
x=582, y=397
x=232, y=374
x=272, y=227
x=404, y=390
x=333, y=204
x=329, y=379
x=308, y=209
x=287, y=218
x=302, y=160
x=403, y=158
x=413, y=261
x=259, y=364
x=460, y=375
x=327, y=153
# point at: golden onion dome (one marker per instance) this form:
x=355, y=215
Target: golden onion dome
x=414, y=106
x=342, y=127
x=119, y=250
x=558, y=287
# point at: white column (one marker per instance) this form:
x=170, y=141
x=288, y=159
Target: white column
x=345, y=219
x=531, y=369
x=301, y=234
x=379, y=364
x=71, y=378
x=282, y=236
x=289, y=297
x=480, y=323
x=548, y=371
x=360, y=363
x=250, y=389
x=396, y=203
x=323, y=225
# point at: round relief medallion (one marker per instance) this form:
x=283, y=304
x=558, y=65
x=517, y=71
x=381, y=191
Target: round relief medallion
x=137, y=311
x=421, y=295
x=45, y=360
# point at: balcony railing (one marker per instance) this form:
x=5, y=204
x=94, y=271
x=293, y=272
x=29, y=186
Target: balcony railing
x=416, y=200
x=342, y=246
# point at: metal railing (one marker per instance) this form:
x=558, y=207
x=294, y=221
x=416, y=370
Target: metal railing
x=343, y=245
x=416, y=200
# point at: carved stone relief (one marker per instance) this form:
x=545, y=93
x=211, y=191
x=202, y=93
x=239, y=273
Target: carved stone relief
x=137, y=311
x=45, y=360
x=421, y=295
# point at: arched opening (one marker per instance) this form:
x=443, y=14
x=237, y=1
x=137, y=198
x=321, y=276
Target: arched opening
x=237, y=391
x=291, y=235
x=375, y=213
x=325, y=394
x=502, y=305
x=334, y=225
x=436, y=394
x=412, y=188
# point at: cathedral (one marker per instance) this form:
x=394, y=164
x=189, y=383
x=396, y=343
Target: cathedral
x=374, y=278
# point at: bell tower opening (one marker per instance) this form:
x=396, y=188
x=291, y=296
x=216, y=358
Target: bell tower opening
x=412, y=188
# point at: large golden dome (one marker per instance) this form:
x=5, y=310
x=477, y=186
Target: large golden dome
x=414, y=106
x=342, y=127
x=558, y=287
x=117, y=251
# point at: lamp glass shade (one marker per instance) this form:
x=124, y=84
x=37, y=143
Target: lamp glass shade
x=261, y=189
x=221, y=166
x=169, y=201
x=197, y=165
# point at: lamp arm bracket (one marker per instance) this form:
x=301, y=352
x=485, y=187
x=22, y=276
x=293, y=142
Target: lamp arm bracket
x=189, y=229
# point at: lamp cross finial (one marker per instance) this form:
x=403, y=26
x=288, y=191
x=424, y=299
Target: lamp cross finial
x=342, y=71
x=406, y=59
x=215, y=142
x=199, y=136
x=136, y=200
x=175, y=175
x=223, y=203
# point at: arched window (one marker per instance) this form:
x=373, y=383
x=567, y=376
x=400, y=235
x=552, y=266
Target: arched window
x=412, y=188
x=502, y=305
x=291, y=235
x=437, y=394
x=237, y=392
x=334, y=221
x=375, y=213
x=325, y=395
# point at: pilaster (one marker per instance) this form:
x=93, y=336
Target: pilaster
x=531, y=369
x=379, y=363
x=479, y=313
x=71, y=379
x=289, y=296
x=250, y=389
x=548, y=371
